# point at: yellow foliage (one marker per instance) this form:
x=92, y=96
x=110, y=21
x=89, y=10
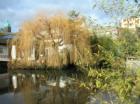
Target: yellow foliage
x=48, y=34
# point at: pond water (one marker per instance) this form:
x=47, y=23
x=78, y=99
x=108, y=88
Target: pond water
x=11, y=98
x=40, y=88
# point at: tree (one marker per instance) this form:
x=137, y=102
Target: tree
x=66, y=41
x=115, y=10
x=105, y=51
x=73, y=14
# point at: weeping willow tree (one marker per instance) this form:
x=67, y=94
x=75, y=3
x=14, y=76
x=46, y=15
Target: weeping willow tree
x=55, y=41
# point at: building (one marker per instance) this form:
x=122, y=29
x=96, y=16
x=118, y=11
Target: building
x=131, y=23
x=4, y=49
x=5, y=36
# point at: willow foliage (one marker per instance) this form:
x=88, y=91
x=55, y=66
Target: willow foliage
x=56, y=40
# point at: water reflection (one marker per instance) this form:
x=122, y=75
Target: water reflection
x=38, y=88
x=60, y=90
x=9, y=97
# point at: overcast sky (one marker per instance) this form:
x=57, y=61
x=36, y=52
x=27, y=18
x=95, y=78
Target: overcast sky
x=17, y=11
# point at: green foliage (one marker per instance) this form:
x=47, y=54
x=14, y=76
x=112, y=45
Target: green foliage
x=73, y=14
x=136, y=90
x=105, y=51
x=116, y=9
x=129, y=42
x=115, y=81
x=114, y=52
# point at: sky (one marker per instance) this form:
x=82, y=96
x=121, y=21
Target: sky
x=18, y=11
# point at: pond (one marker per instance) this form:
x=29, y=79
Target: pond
x=33, y=87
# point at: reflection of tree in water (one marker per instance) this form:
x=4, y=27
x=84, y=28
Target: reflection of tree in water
x=43, y=94
x=51, y=90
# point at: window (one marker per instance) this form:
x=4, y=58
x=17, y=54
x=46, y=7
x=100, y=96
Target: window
x=1, y=50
